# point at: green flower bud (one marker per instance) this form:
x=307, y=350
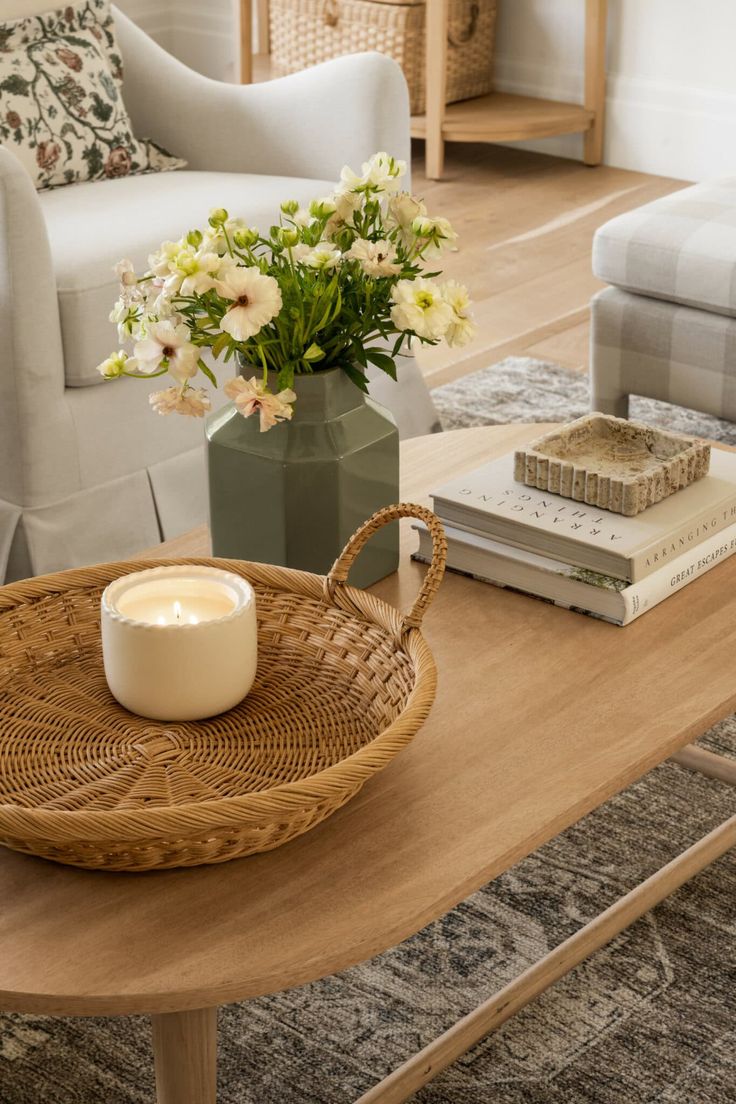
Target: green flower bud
x=288, y=236
x=322, y=208
x=194, y=238
x=245, y=238
x=218, y=216
x=290, y=206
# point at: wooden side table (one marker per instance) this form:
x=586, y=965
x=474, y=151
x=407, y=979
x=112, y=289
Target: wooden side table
x=501, y=117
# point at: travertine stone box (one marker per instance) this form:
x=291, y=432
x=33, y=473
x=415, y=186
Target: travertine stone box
x=612, y=463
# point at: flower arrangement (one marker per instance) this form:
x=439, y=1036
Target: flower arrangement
x=342, y=284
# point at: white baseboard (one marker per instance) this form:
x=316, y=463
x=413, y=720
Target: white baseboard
x=651, y=126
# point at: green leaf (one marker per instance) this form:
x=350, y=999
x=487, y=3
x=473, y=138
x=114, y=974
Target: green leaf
x=360, y=353
x=381, y=360
x=219, y=344
x=314, y=353
x=285, y=378
x=359, y=378
x=207, y=372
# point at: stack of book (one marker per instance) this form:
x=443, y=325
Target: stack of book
x=580, y=556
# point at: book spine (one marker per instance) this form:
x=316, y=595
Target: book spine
x=649, y=592
x=691, y=536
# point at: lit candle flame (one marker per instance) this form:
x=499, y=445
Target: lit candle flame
x=177, y=612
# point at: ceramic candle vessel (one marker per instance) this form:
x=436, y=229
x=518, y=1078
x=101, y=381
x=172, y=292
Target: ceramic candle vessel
x=179, y=643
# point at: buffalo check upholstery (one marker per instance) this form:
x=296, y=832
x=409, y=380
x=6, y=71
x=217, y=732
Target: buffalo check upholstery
x=667, y=327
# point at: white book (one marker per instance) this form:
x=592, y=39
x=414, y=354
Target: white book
x=570, y=586
x=488, y=501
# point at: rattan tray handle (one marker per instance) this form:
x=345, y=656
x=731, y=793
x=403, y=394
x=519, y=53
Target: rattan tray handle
x=341, y=567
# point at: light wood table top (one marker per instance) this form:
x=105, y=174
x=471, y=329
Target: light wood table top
x=541, y=715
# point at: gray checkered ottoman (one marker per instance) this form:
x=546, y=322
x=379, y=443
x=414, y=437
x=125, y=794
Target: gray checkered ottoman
x=667, y=326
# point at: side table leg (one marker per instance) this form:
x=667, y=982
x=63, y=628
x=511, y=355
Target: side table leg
x=185, y=1055
x=435, y=84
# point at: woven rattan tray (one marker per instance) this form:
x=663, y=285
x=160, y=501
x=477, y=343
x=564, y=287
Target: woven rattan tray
x=343, y=684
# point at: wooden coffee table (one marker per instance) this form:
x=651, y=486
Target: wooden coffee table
x=541, y=715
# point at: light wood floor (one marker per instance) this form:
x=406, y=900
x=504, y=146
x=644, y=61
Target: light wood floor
x=525, y=223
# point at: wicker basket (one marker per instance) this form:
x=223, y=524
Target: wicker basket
x=343, y=684
x=306, y=32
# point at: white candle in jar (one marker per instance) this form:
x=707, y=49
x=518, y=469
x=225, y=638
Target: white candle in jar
x=179, y=643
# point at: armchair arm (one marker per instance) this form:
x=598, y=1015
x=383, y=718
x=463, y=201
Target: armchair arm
x=36, y=438
x=307, y=125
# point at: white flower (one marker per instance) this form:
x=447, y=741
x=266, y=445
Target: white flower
x=324, y=255
x=160, y=261
x=256, y=300
x=419, y=306
x=379, y=175
x=158, y=304
x=125, y=272
x=125, y=317
x=403, y=209
x=302, y=218
x=253, y=395
x=436, y=231
x=165, y=341
x=301, y=251
x=129, y=289
x=383, y=172
x=215, y=238
x=349, y=181
x=116, y=365
x=346, y=202
x=192, y=271
x=462, y=328
x=376, y=258
x=192, y=401
x=187, y=269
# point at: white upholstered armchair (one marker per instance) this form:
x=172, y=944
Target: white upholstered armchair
x=86, y=471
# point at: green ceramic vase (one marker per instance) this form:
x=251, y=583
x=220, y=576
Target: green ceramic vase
x=293, y=495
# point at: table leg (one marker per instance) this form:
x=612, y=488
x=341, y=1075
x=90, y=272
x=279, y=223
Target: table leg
x=185, y=1055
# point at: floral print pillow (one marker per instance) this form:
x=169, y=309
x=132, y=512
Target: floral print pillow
x=61, y=107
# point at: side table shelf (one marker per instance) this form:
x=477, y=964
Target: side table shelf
x=502, y=117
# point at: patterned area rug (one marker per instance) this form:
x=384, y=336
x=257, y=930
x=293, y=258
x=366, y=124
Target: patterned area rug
x=647, y=1020
x=521, y=389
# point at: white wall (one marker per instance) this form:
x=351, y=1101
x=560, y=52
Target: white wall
x=671, y=71
x=671, y=78
x=154, y=16
x=202, y=34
